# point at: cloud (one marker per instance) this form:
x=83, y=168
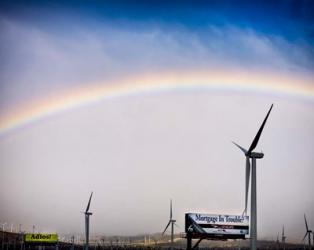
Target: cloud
x=37, y=60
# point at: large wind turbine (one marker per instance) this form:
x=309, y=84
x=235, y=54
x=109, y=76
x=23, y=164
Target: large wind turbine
x=250, y=155
x=87, y=214
x=172, y=222
x=308, y=232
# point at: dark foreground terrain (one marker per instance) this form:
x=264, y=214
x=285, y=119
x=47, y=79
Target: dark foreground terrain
x=15, y=241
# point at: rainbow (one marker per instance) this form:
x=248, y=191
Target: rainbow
x=264, y=83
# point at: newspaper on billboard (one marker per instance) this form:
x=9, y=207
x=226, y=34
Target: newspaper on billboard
x=217, y=225
x=41, y=238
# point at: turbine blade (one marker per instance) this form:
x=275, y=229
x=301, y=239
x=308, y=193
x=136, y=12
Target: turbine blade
x=255, y=141
x=241, y=148
x=170, y=209
x=176, y=225
x=166, y=227
x=88, y=205
x=307, y=228
x=247, y=181
x=305, y=236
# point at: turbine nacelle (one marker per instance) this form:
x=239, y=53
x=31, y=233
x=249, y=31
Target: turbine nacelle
x=256, y=155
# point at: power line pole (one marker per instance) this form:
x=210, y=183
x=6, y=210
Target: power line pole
x=3, y=224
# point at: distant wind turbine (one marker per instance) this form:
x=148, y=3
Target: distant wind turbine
x=72, y=242
x=308, y=233
x=277, y=242
x=283, y=237
x=249, y=154
x=87, y=214
x=172, y=222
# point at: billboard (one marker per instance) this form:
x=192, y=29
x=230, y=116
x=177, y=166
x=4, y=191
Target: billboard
x=41, y=238
x=216, y=226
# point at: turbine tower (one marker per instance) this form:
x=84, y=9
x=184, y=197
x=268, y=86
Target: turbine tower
x=283, y=238
x=172, y=222
x=252, y=156
x=87, y=214
x=308, y=232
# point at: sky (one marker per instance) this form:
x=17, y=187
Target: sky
x=139, y=102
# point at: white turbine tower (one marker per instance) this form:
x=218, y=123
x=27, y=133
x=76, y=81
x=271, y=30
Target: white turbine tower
x=249, y=154
x=308, y=233
x=172, y=222
x=87, y=214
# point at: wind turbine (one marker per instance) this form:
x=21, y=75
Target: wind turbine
x=172, y=222
x=87, y=214
x=308, y=232
x=277, y=241
x=250, y=155
x=283, y=237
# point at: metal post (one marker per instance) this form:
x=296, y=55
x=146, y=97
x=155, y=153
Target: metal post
x=21, y=239
x=3, y=235
x=86, y=231
x=189, y=241
x=172, y=232
x=197, y=243
x=253, y=207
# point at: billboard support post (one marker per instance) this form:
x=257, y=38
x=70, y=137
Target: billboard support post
x=197, y=243
x=189, y=241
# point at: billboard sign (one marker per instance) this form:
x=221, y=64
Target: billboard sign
x=216, y=226
x=41, y=238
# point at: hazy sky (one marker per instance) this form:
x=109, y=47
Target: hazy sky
x=138, y=149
